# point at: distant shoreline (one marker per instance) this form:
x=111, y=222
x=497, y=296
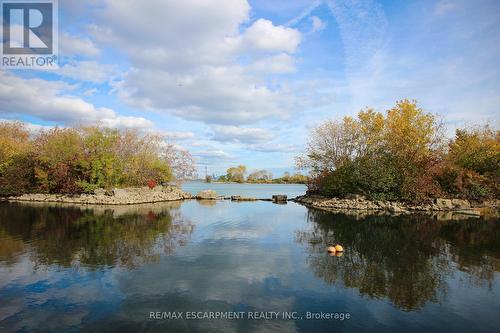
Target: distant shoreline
x=253, y=183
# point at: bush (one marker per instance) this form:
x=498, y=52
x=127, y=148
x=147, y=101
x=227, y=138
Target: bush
x=401, y=156
x=76, y=160
x=151, y=184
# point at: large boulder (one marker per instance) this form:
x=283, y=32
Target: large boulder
x=444, y=204
x=120, y=193
x=207, y=195
x=460, y=203
x=99, y=191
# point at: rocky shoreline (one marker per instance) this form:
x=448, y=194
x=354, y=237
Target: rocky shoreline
x=126, y=196
x=360, y=203
x=353, y=204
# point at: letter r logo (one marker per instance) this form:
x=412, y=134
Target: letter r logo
x=28, y=27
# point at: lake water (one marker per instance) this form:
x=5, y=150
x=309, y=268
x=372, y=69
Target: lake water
x=72, y=268
x=260, y=191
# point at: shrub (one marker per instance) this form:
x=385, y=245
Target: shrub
x=151, y=184
x=76, y=160
x=401, y=156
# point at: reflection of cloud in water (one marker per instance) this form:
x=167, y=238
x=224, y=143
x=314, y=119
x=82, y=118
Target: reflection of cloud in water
x=238, y=258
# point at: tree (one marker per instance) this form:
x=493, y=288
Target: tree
x=396, y=156
x=330, y=145
x=16, y=170
x=14, y=140
x=477, y=149
x=260, y=176
x=180, y=161
x=76, y=160
x=411, y=134
x=236, y=174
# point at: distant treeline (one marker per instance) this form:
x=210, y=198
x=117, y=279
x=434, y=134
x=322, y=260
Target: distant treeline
x=78, y=160
x=237, y=175
x=402, y=155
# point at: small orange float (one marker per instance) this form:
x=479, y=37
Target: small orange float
x=331, y=249
x=339, y=248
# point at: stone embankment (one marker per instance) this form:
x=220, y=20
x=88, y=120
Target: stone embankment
x=356, y=202
x=126, y=196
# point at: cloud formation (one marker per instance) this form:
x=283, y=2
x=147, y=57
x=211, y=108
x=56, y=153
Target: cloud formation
x=49, y=101
x=199, y=61
x=241, y=134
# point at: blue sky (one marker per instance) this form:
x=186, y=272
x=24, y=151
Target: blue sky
x=242, y=82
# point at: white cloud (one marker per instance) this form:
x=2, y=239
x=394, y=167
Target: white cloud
x=281, y=63
x=177, y=135
x=304, y=13
x=264, y=36
x=89, y=71
x=276, y=148
x=317, y=24
x=47, y=100
x=217, y=95
x=73, y=45
x=241, y=134
x=212, y=156
x=126, y=122
x=200, y=76
x=90, y=92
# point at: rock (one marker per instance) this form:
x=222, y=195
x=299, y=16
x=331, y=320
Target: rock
x=240, y=198
x=460, y=203
x=119, y=193
x=99, y=191
x=442, y=209
x=125, y=196
x=359, y=197
x=279, y=198
x=444, y=203
x=207, y=195
x=396, y=209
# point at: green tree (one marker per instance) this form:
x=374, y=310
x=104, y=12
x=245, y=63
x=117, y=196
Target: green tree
x=477, y=149
x=236, y=174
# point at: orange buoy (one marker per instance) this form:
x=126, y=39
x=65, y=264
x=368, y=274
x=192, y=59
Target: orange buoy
x=331, y=249
x=339, y=248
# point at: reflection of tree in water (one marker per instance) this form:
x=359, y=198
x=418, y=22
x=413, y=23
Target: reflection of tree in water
x=93, y=238
x=405, y=259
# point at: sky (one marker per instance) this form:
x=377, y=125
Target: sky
x=243, y=82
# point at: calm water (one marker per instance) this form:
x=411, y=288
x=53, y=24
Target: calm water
x=260, y=191
x=106, y=269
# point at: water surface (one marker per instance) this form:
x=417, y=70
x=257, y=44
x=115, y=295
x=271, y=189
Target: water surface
x=104, y=269
x=260, y=191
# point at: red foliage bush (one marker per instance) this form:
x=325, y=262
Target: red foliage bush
x=151, y=184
